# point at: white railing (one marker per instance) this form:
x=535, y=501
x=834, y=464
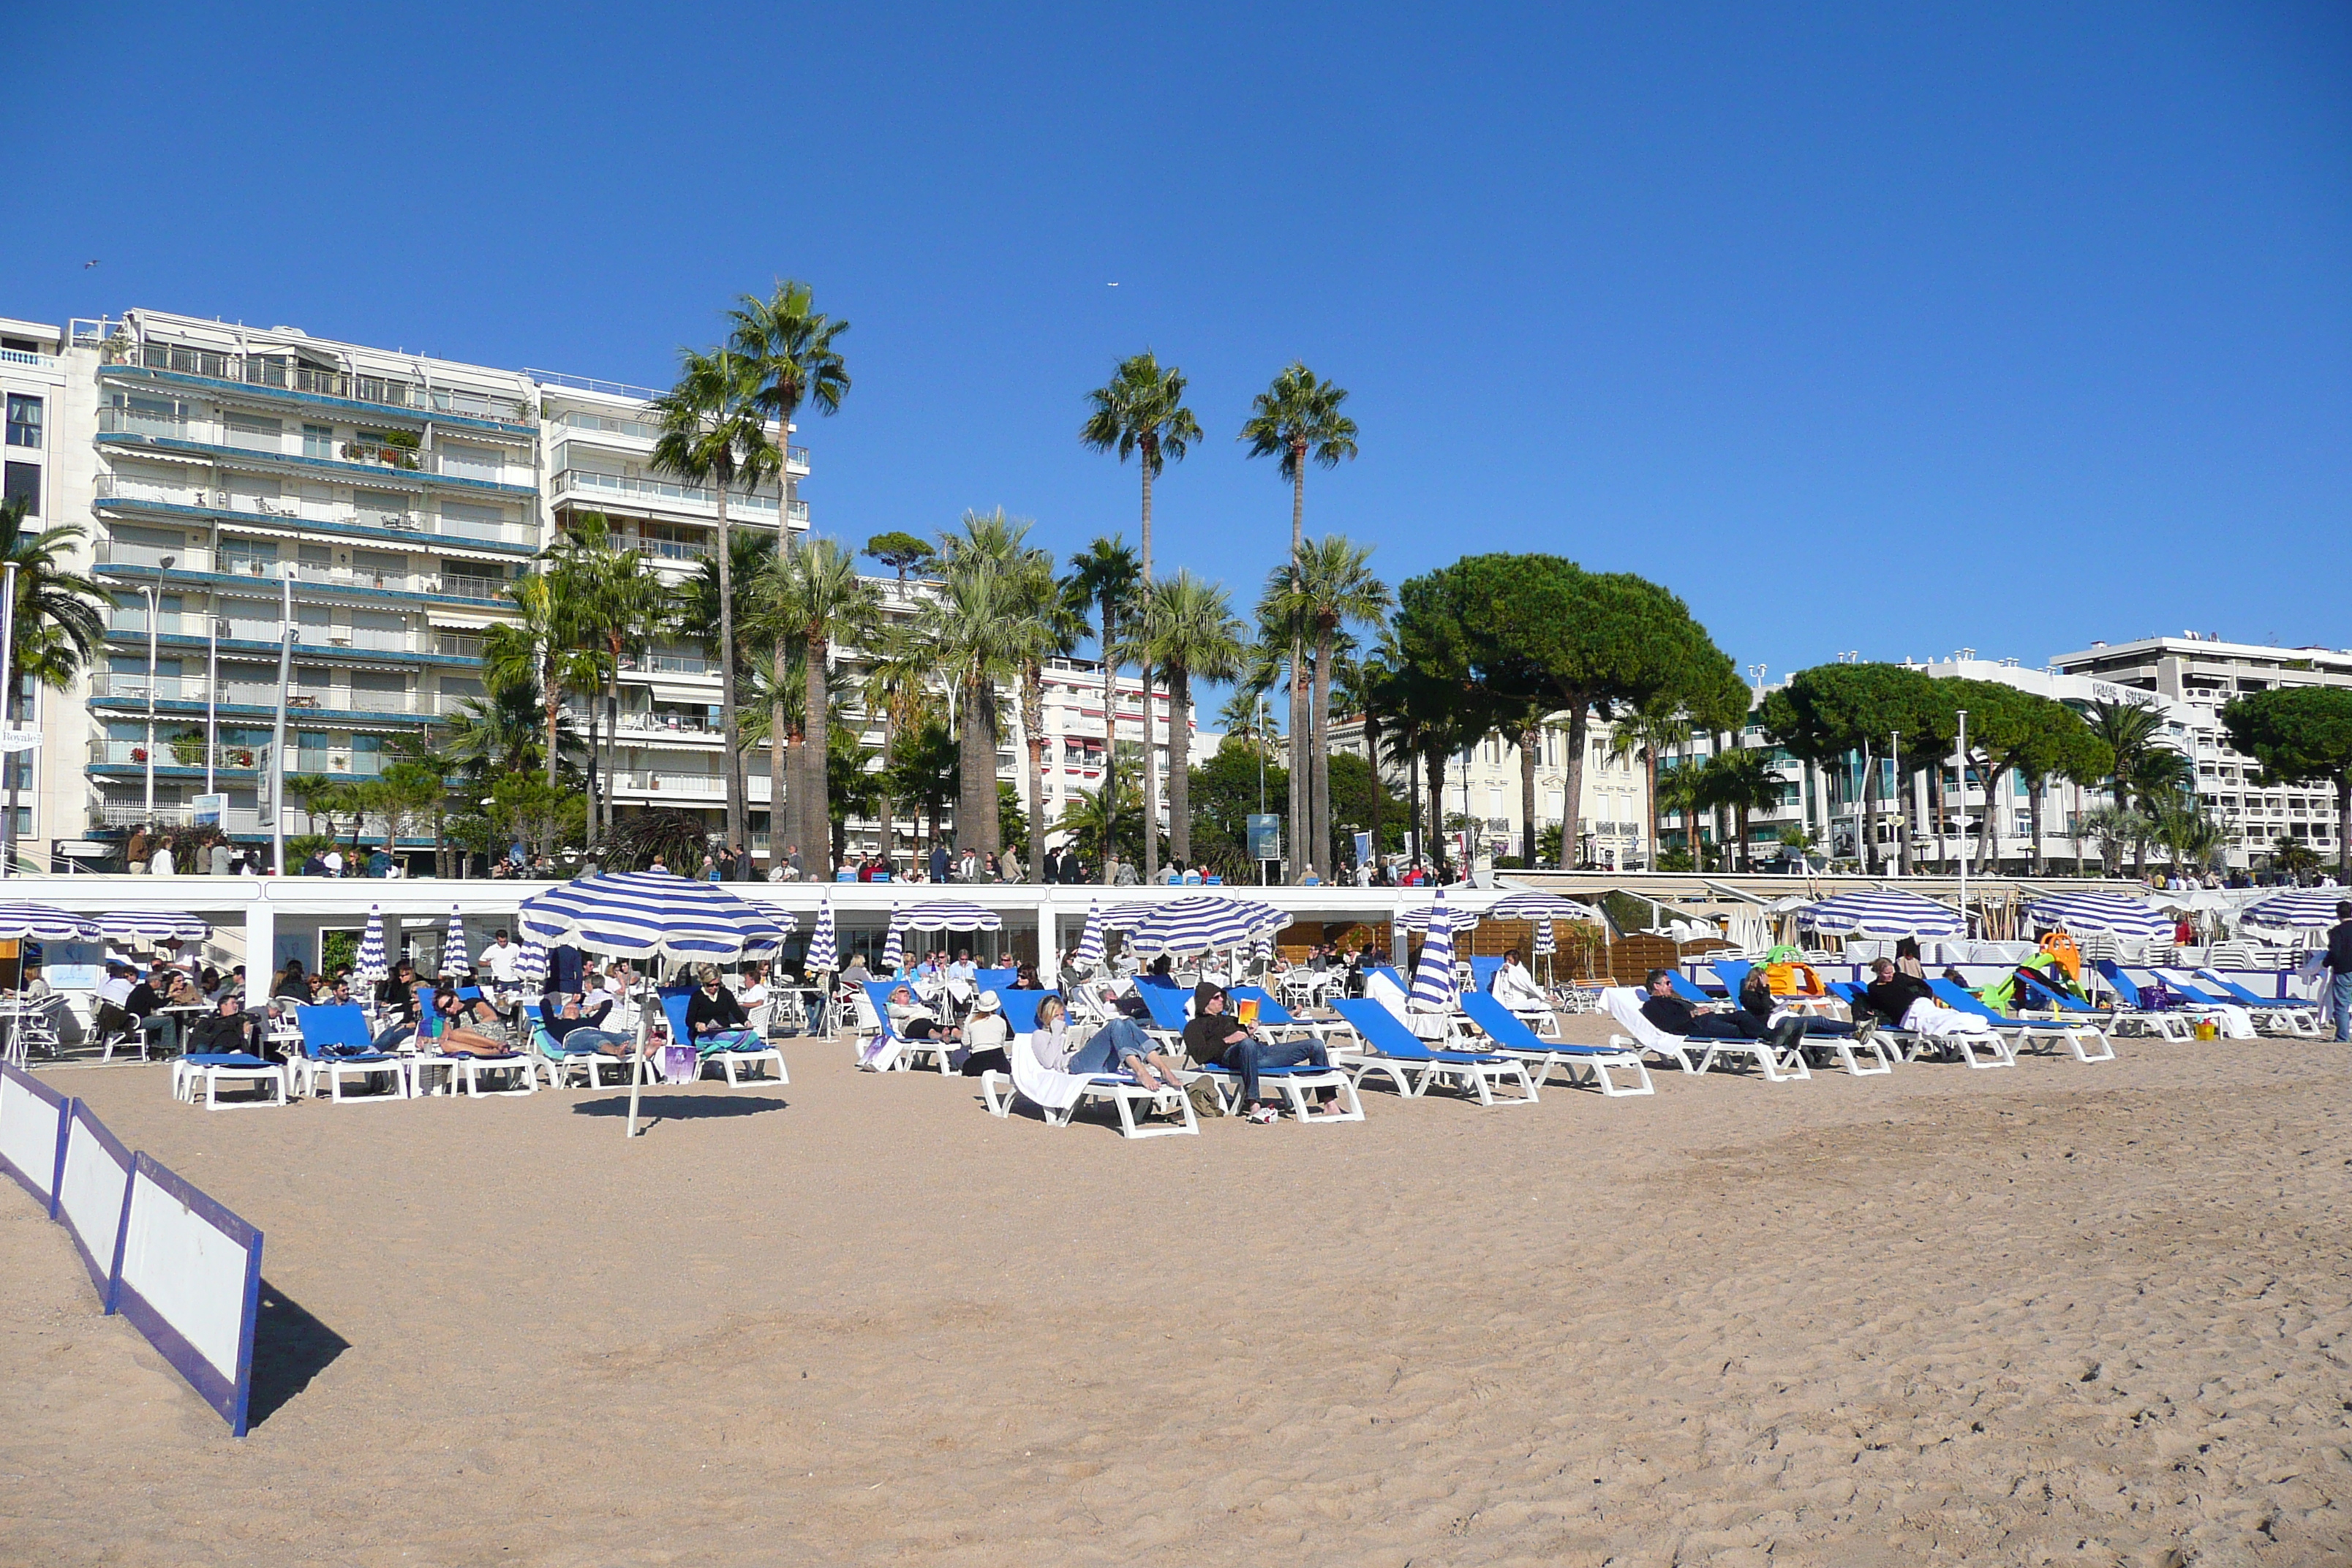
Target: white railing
x=673, y=550
x=116, y=487
x=587, y=482
x=27, y=357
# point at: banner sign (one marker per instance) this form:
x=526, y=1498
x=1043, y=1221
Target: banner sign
x=32, y=1133
x=1265, y=831
x=191, y=1281
x=93, y=1188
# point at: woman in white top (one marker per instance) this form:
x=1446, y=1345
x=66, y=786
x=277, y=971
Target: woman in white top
x=985, y=1036
x=1515, y=988
x=1118, y=1045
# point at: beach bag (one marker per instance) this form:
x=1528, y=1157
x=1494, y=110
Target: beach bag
x=681, y=1064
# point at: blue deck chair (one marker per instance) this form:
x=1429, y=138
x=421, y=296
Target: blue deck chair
x=2300, y=1018
x=1511, y=1037
x=1391, y=1048
x=883, y=1045
x=1483, y=972
x=1688, y=991
x=1170, y=1009
x=747, y=1054
x=1273, y=1015
x=335, y=1046
x=997, y=979
x=2015, y=1032
x=2161, y=1023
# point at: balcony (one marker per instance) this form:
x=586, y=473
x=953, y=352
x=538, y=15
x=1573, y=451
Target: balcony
x=131, y=685
x=674, y=549
x=616, y=488
x=689, y=788
x=282, y=372
x=119, y=490
x=29, y=360
x=289, y=446
x=668, y=664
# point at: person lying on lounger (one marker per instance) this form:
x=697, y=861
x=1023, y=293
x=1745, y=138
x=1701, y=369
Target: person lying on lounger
x=1214, y=1036
x=478, y=1033
x=911, y=1019
x=1694, y=1021
x=576, y=1031
x=225, y=1031
x=1117, y=1046
x=1907, y=1002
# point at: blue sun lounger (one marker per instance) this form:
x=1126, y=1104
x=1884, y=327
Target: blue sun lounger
x=1390, y=1047
x=2015, y=1032
x=2297, y=1018
x=336, y=1045
x=882, y=1046
x=2148, y=1020
x=1511, y=1037
x=1169, y=1012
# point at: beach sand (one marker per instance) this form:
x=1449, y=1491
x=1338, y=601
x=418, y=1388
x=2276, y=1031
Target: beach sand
x=2059, y=1314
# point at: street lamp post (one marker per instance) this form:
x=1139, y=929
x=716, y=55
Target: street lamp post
x=1964, y=821
x=8, y=714
x=278, y=733
x=155, y=597
x=212, y=701
x=1902, y=803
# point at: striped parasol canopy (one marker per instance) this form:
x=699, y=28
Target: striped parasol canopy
x=152, y=925
x=1090, y=939
x=652, y=914
x=1521, y=906
x=372, y=969
x=454, y=958
x=945, y=914
x=530, y=964
x=1433, y=977
x=824, y=943
x=1204, y=923
x=2111, y=915
x=2306, y=909
x=1882, y=914
x=45, y=923
x=1264, y=952
x=1126, y=916
x=1546, y=944
x=894, y=950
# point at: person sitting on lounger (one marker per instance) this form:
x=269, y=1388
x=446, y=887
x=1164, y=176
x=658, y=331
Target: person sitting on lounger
x=1214, y=1038
x=985, y=1036
x=1118, y=1045
x=715, y=1020
x=1515, y=988
x=1690, y=1020
x=911, y=1019
x=223, y=1031
x=479, y=1035
x=1907, y=1002
x=1758, y=1006
x=576, y=1031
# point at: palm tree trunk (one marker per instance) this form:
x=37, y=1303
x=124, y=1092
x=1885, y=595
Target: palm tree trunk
x=601, y=786
x=2034, y=797
x=817, y=810
x=1869, y=813
x=1437, y=859
x=2343, y=827
x=1573, y=783
x=1150, y=753
x=1529, y=738
x=1319, y=758
x=1111, y=734
x=975, y=767
x=1373, y=752
x=612, y=739
x=1903, y=824
x=735, y=835
x=780, y=794
x=1412, y=812
x=1033, y=725
x=554, y=712
x=1301, y=793
x=1179, y=774
x=1649, y=769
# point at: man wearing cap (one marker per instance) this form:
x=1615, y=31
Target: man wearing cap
x=1213, y=1038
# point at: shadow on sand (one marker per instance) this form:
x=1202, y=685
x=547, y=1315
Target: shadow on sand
x=653, y=1108
x=290, y=1347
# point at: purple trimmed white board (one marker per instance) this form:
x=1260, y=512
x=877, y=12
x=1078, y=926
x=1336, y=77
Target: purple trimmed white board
x=93, y=1189
x=32, y=1133
x=190, y=1280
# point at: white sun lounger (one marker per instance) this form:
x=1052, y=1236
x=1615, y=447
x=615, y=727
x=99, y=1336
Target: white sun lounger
x=1059, y=1094
x=1510, y=1034
x=1625, y=1006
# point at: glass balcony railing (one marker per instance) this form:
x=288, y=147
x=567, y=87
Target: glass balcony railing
x=620, y=487
x=367, y=452
x=344, y=514
x=283, y=371
x=673, y=550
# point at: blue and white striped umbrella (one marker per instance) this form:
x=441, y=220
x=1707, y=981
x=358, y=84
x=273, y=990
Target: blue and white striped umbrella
x=152, y=925
x=530, y=965
x=894, y=950
x=1882, y=914
x=1264, y=952
x=825, y=944
x=1546, y=942
x=1203, y=923
x=652, y=914
x=372, y=969
x=1090, y=939
x=454, y=958
x=1128, y=917
x=45, y=923
x=2309, y=909
x=2091, y=910
x=1432, y=978
x=1529, y=905
x=946, y=914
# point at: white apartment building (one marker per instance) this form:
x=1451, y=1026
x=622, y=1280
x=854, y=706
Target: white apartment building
x=1485, y=785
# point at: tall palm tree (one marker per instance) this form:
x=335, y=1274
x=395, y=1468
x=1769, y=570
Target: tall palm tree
x=1102, y=582
x=811, y=600
x=791, y=348
x=898, y=684
x=1047, y=625
x=714, y=432
x=502, y=733
x=1647, y=733
x=1330, y=588
x=2130, y=728
x=1297, y=419
x=59, y=628
x=613, y=600
x=1189, y=629
x=974, y=628
x=1140, y=412
x=1682, y=789
x=537, y=651
x=1740, y=780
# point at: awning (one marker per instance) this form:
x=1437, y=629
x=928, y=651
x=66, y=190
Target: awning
x=463, y=620
x=698, y=696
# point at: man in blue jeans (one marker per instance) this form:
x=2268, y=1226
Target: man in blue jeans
x=2339, y=970
x=1212, y=1037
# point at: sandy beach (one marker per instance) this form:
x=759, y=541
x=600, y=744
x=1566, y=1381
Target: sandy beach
x=2059, y=1314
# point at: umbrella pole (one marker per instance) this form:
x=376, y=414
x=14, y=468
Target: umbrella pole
x=645, y=1032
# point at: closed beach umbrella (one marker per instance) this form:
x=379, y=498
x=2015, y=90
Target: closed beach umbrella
x=825, y=946
x=1546, y=944
x=1526, y=905
x=1432, y=978
x=656, y=917
x=2307, y=909
x=1882, y=915
x=454, y=958
x=1090, y=939
x=372, y=969
x=1204, y=923
x=2111, y=914
x=530, y=965
x=894, y=950
x=946, y=914
x=152, y=925
x=45, y=923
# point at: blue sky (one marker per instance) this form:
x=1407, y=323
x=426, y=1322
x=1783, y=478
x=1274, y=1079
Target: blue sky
x=1889, y=329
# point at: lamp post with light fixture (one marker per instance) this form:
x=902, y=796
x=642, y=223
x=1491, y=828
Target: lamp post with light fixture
x=155, y=597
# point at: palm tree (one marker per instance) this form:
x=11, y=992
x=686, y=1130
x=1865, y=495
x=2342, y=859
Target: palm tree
x=1682, y=789
x=539, y=652
x=2130, y=729
x=1189, y=629
x=714, y=432
x=811, y=600
x=899, y=670
x=1102, y=581
x=57, y=629
x=1297, y=419
x=1140, y=411
x=1646, y=733
x=501, y=733
x=1327, y=589
x=791, y=348
x=613, y=599
x=1047, y=626
x=1740, y=780
x=974, y=631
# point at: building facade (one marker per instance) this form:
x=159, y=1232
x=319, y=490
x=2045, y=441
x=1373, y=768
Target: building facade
x=1484, y=787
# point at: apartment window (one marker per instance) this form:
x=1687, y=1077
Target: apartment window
x=24, y=421
x=22, y=481
x=319, y=441
x=470, y=462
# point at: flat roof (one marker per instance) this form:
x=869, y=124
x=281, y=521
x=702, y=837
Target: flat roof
x=2209, y=647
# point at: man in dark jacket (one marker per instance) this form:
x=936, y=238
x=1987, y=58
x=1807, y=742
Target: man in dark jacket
x=223, y=1031
x=1214, y=1038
